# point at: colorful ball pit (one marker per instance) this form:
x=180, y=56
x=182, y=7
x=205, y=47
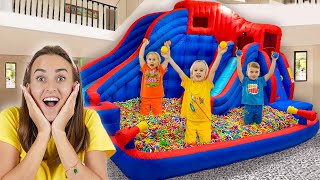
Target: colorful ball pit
x=166, y=132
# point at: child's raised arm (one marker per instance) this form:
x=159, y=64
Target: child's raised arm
x=272, y=67
x=239, y=68
x=164, y=51
x=165, y=63
x=216, y=63
x=167, y=58
x=145, y=42
x=175, y=66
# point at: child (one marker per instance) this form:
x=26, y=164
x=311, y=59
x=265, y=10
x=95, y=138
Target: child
x=196, y=98
x=252, y=89
x=152, y=90
x=51, y=135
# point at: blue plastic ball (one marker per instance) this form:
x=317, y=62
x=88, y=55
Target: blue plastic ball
x=275, y=55
x=239, y=52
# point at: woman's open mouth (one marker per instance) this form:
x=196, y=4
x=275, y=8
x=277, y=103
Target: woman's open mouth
x=51, y=101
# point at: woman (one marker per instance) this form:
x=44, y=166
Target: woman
x=52, y=136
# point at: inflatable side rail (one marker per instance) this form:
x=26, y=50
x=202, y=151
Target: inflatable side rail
x=124, y=136
x=310, y=115
x=109, y=115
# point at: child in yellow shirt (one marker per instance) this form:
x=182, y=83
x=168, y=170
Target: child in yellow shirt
x=196, y=98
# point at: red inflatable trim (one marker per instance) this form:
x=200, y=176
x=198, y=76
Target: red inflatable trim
x=227, y=25
x=209, y=147
x=104, y=106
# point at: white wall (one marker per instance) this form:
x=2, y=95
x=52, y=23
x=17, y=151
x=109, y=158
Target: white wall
x=316, y=81
x=34, y=32
x=280, y=15
x=307, y=91
x=145, y=7
x=284, y=16
x=300, y=89
x=21, y=35
x=301, y=35
x=125, y=9
x=6, y=5
x=121, y=12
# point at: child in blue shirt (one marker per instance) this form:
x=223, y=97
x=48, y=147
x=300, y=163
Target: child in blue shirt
x=252, y=89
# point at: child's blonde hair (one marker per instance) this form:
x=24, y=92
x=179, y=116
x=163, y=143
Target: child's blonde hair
x=197, y=61
x=253, y=65
x=154, y=53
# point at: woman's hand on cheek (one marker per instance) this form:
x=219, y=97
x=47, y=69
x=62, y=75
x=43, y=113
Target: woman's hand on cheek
x=35, y=113
x=66, y=111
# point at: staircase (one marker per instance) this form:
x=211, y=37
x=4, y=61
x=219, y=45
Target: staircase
x=84, y=12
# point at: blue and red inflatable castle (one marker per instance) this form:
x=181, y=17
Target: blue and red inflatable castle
x=195, y=30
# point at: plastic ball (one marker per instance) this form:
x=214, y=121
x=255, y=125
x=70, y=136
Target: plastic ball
x=223, y=44
x=169, y=43
x=239, y=52
x=144, y=40
x=275, y=55
x=164, y=49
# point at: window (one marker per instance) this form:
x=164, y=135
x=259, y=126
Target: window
x=10, y=75
x=300, y=65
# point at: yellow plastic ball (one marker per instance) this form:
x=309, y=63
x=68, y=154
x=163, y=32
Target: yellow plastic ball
x=223, y=44
x=164, y=49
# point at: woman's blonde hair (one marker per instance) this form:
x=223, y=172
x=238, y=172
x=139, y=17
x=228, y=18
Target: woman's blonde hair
x=76, y=131
x=193, y=64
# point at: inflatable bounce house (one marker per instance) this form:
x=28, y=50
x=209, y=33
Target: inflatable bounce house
x=152, y=147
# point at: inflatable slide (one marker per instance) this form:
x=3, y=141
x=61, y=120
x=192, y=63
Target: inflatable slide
x=195, y=30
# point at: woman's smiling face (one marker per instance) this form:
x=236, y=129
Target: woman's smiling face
x=51, y=82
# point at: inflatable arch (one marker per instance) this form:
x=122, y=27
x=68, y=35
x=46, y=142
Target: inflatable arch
x=195, y=30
